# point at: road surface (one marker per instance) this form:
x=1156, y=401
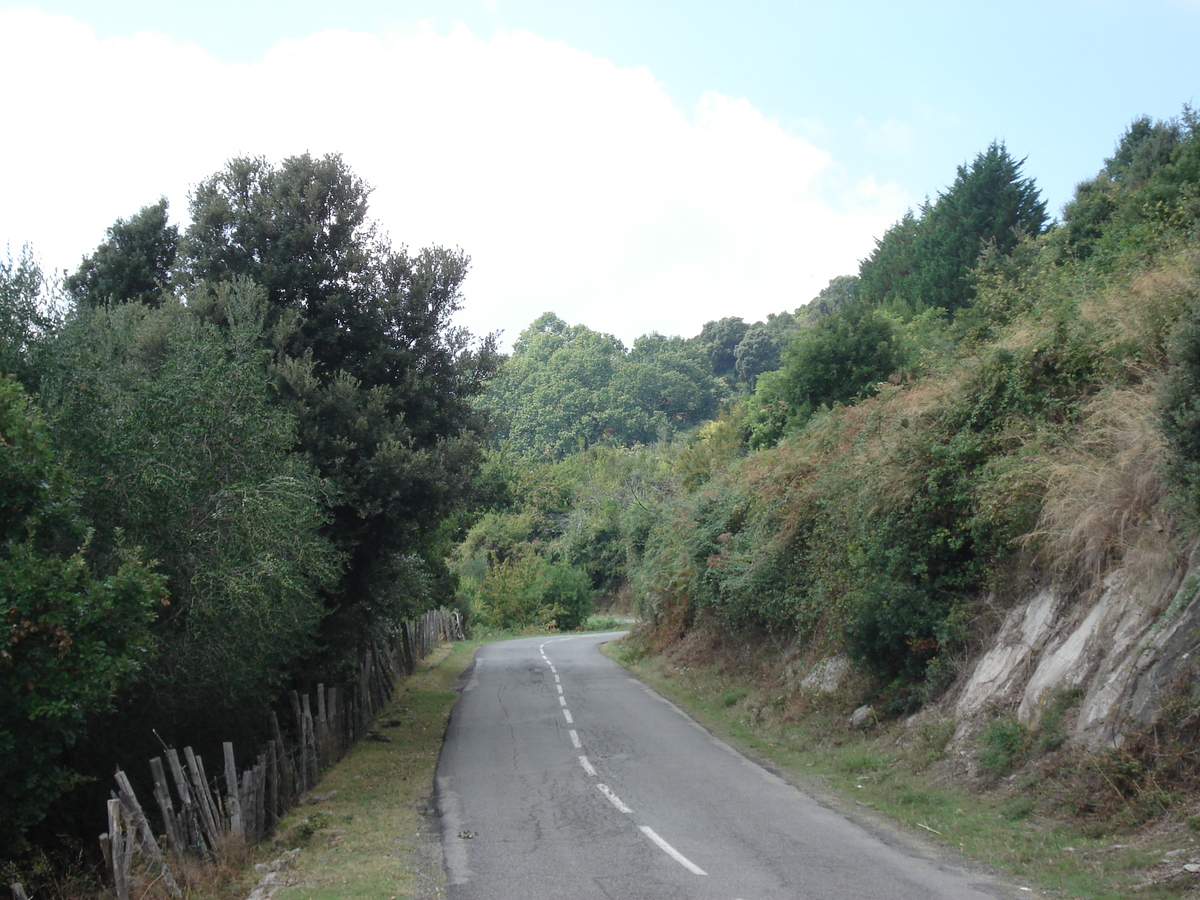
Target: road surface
x=564, y=777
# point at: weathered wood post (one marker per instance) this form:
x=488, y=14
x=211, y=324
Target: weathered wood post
x=144, y=834
x=234, y=805
x=162, y=793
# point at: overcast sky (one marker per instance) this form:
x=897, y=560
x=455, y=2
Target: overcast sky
x=634, y=165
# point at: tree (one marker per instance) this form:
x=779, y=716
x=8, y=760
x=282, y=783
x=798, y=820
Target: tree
x=1149, y=189
x=841, y=290
x=133, y=265
x=71, y=639
x=720, y=338
x=840, y=358
x=180, y=446
x=568, y=388
x=923, y=262
x=27, y=318
x=365, y=358
x=757, y=353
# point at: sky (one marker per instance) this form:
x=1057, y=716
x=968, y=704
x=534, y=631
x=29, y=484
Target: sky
x=635, y=166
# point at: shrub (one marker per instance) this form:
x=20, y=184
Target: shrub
x=1004, y=744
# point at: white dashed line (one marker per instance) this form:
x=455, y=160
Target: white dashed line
x=604, y=789
x=614, y=799
x=671, y=851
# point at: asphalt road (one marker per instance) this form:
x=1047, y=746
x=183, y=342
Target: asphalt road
x=563, y=777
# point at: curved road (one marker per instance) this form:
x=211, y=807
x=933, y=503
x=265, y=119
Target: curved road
x=563, y=777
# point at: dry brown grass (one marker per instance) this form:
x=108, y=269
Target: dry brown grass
x=1104, y=493
x=1137, y=315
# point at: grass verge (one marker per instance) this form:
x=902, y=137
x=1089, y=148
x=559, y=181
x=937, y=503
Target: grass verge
x=363, y=831
x=903, y=773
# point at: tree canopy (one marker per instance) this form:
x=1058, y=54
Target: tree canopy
x=924, y=261
x=133, y=265
x=567, y=388
x=366, y=359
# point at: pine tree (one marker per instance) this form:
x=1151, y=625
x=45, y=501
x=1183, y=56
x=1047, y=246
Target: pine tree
x=924, y=261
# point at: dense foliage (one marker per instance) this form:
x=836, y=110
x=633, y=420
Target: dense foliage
x=924, y=261
x=133, y=265
x=275, y=409
x=71, y=638
x=568, y=388
x=972, y=411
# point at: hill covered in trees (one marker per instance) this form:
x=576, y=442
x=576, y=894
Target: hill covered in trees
x=994, y=404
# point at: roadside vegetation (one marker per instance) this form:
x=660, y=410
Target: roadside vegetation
x=237, y=451
x=996, y=400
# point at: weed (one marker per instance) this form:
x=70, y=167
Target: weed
x=602, y=623
x=932, y=738
x=734, y=697
x=1004, y=745
x=1052, y=730
x=304, y=830
x=1014, y=809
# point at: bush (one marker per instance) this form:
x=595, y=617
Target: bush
x=1004, y=744
x=70, y=639
x=528, y=590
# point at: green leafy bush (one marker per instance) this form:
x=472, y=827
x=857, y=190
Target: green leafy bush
x=527, y=590
x=1004, y=745
x=71, y=639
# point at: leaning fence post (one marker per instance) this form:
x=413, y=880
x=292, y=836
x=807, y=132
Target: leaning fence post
x=162, y=793
x=144, y=834
x=231, y=793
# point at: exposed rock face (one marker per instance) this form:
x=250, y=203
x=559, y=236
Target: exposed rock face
x=1123, y=651
x=826, y=677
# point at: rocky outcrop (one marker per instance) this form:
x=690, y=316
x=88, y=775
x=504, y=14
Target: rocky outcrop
x=1123, y=651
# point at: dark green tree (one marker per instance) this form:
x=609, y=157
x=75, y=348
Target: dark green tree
x=924, y=262
x=841, y=290
x=719, y=339
x=367, y=360
x=837, y=360
x=27, y=317
x=1147, y=191
x=758, y=352
x=71, y=639
x=133, y=265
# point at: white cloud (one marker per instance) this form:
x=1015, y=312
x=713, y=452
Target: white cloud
x=575, y=185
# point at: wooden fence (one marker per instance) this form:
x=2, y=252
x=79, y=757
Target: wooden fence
x=206, y=814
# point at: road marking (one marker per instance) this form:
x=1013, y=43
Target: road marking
x=567, y=715
x=575, y=739
x=556, y=678
x=587, y=766
x=559, y=686
x=562, y=701
x=671, y=851
x=614, y=799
